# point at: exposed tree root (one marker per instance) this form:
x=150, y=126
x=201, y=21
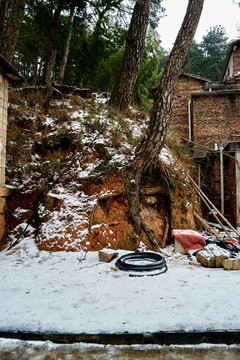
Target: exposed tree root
x=132, y=190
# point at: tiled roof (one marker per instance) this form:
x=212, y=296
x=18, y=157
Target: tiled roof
x=197, y=77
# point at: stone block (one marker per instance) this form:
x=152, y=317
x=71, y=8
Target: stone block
x=212, y=256
x=2, y=226
x=107, y=255
x=4, y=191
x=2, y=205
x=231, y=264
x=178, y=248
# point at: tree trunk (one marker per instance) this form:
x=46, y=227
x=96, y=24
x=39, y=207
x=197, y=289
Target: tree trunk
x=12, y=30
x=135, y=44
x=39, y=73
x=34, y=82
x=151, y=145
x=66, y=50
x=51, y=62
x=3, y=9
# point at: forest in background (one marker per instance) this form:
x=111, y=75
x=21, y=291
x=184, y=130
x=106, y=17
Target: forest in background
x=89, y=44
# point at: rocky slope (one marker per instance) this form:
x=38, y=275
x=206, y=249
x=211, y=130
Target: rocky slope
x=86, y=208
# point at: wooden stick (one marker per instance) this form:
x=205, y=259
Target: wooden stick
x=165, y=233
x=206, y=226
x=213, y=213
x=214, y=207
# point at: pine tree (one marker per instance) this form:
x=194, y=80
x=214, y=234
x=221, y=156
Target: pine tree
x=133, y=55
x=151, y=145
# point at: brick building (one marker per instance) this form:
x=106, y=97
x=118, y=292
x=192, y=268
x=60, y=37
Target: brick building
x=208, y=114
x=181, y=122
x=7, y=73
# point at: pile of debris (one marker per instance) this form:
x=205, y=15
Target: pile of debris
x=208, y=251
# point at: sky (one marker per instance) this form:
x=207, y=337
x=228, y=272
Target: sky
x=215, y=12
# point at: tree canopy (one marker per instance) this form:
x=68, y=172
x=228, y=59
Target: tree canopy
x=95, y=42
x=92, y=50
x=206, y=59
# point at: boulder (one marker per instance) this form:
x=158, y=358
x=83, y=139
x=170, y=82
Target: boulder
x=212, y=256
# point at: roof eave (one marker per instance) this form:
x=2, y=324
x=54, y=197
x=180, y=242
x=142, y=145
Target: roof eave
x=8, y=70
x=229, y=52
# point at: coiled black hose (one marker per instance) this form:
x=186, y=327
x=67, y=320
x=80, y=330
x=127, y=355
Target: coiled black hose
x=155, y=262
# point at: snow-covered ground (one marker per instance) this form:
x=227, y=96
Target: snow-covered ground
x=69, y=292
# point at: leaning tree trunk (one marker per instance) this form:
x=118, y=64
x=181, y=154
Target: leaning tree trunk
x=133, y=55
x=66, y=49
x=12, y=30
x=151, y=145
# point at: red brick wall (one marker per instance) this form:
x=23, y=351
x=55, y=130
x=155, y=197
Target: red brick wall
x=216, y=119
x=185, y=86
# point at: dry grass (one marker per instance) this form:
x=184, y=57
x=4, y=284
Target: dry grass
x=14, y=97
x=35, y=98
x=60, y=114
x=76, y=101
x=117, y=139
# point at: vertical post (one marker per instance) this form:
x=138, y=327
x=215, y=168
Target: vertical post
x=199, y=182
x=238, y=188
x=222, y=180
x=189, y=121
x=4, y=191
x=3, y=137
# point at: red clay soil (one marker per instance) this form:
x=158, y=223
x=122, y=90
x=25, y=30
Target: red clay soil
x=108, y=225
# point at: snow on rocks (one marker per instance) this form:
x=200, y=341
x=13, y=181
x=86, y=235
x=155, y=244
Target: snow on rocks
x=212, y=256
x=66, y=226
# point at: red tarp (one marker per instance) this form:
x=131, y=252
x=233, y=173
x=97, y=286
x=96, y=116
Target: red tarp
x=189, y=239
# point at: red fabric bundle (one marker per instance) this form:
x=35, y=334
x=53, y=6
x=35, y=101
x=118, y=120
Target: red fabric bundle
x=189, y=239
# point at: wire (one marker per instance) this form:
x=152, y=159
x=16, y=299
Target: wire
x=155, y=262
x=203, y=146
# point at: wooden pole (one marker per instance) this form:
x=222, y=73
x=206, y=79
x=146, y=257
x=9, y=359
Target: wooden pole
x=206, y=226
x=165, y=232
x=214, y=215
x=214, y=207
x=222, y=180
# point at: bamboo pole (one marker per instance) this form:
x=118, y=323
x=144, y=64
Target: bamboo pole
x=215, y=216
x=206, y=226
x=214, y=207
x=222, y=180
